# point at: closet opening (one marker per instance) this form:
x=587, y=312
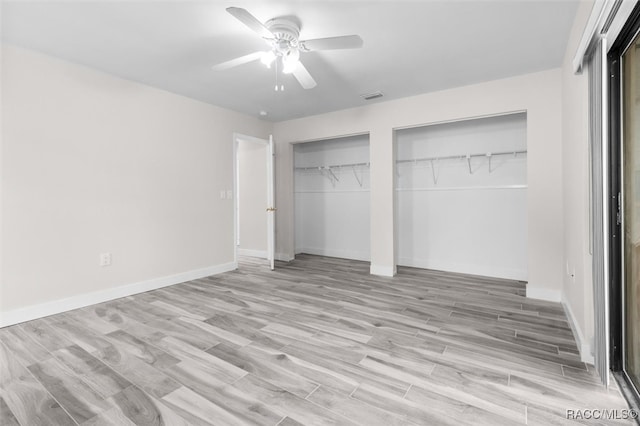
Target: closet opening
x=461, y=196
x=331, y=197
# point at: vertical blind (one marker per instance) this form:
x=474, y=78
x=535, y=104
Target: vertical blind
x=600, y=290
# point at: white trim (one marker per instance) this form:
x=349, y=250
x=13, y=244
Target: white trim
x=284, y=257
x=342, y=254
x=252, y=139
x=594, y=24
x=32, y=312
x=271, y=203
x=456, y=120
x=543, y=294
x=252, y=253
x=462, y=188
x=383, y=270
x=586, y=351
x=603, y=11
x=236, y=202
x=337, y=136
x=605, y=201
x=237, y=138
x=465, y=268
x=618, y=22
x=332, y=191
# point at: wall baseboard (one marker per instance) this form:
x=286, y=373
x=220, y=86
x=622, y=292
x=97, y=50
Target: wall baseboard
x=41, y=310
x=383, y=271
x=464, y=268
x=543, y=294
x=586, y=351
x=342, y=254
x=252, y=253
x=284, y=257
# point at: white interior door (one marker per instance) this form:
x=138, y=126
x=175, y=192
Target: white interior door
x=252, y=171
x=271, y=209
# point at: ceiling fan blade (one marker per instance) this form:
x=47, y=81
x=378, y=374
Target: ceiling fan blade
x=238, y=61
x=304, y=78
x=330, y=43
x=250, y=21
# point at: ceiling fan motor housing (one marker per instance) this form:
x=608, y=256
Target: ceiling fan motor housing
x=285, y=34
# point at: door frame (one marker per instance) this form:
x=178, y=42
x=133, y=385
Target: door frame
x=237, y=138
x=615, y=202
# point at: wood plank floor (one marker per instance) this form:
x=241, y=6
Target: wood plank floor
x=318, y=341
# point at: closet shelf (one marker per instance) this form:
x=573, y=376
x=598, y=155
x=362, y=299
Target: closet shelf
x=334, y=166
x=327, y=191
x=415, y=160
x=467, y=157
x=462, y=157
x=462, y=188
x=328, y=171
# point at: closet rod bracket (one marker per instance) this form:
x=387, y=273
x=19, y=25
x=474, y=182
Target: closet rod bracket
x=355, y=174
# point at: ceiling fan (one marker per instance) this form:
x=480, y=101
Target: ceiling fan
x=281, y=34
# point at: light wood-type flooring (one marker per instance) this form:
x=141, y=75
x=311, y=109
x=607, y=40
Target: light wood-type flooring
x=318, y=341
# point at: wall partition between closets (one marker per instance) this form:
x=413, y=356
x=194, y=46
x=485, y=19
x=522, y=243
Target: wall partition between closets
x=461, y=196
x=331, y=191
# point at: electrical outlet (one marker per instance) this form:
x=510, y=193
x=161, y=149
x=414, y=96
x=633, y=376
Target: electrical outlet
x=105, y=259
x=230, y=194
x=223, y=194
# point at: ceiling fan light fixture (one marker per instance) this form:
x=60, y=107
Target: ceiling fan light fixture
x=268, y=58
x=290, y=61
x=289, y=67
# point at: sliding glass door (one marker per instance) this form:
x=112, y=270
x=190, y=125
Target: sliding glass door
x=624, y=204
x=630, y=93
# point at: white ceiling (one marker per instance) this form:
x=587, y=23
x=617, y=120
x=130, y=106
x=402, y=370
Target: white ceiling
x=410, y=47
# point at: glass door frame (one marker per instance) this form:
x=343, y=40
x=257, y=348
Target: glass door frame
x=616, y=210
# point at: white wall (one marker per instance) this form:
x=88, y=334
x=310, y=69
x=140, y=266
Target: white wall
x=577, y=285
x=2, y=231
x=93, y=164
x=538, y=94
x=252, y=198
x=332, y=216
x=456, y=218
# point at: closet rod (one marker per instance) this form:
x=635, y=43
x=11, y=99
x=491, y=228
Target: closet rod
x=462, y=157
x=335, y=166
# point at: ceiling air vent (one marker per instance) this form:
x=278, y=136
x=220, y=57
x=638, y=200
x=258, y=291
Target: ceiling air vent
x=372, y=95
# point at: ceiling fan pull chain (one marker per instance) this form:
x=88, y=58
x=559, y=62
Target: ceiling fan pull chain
x=279, y=87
